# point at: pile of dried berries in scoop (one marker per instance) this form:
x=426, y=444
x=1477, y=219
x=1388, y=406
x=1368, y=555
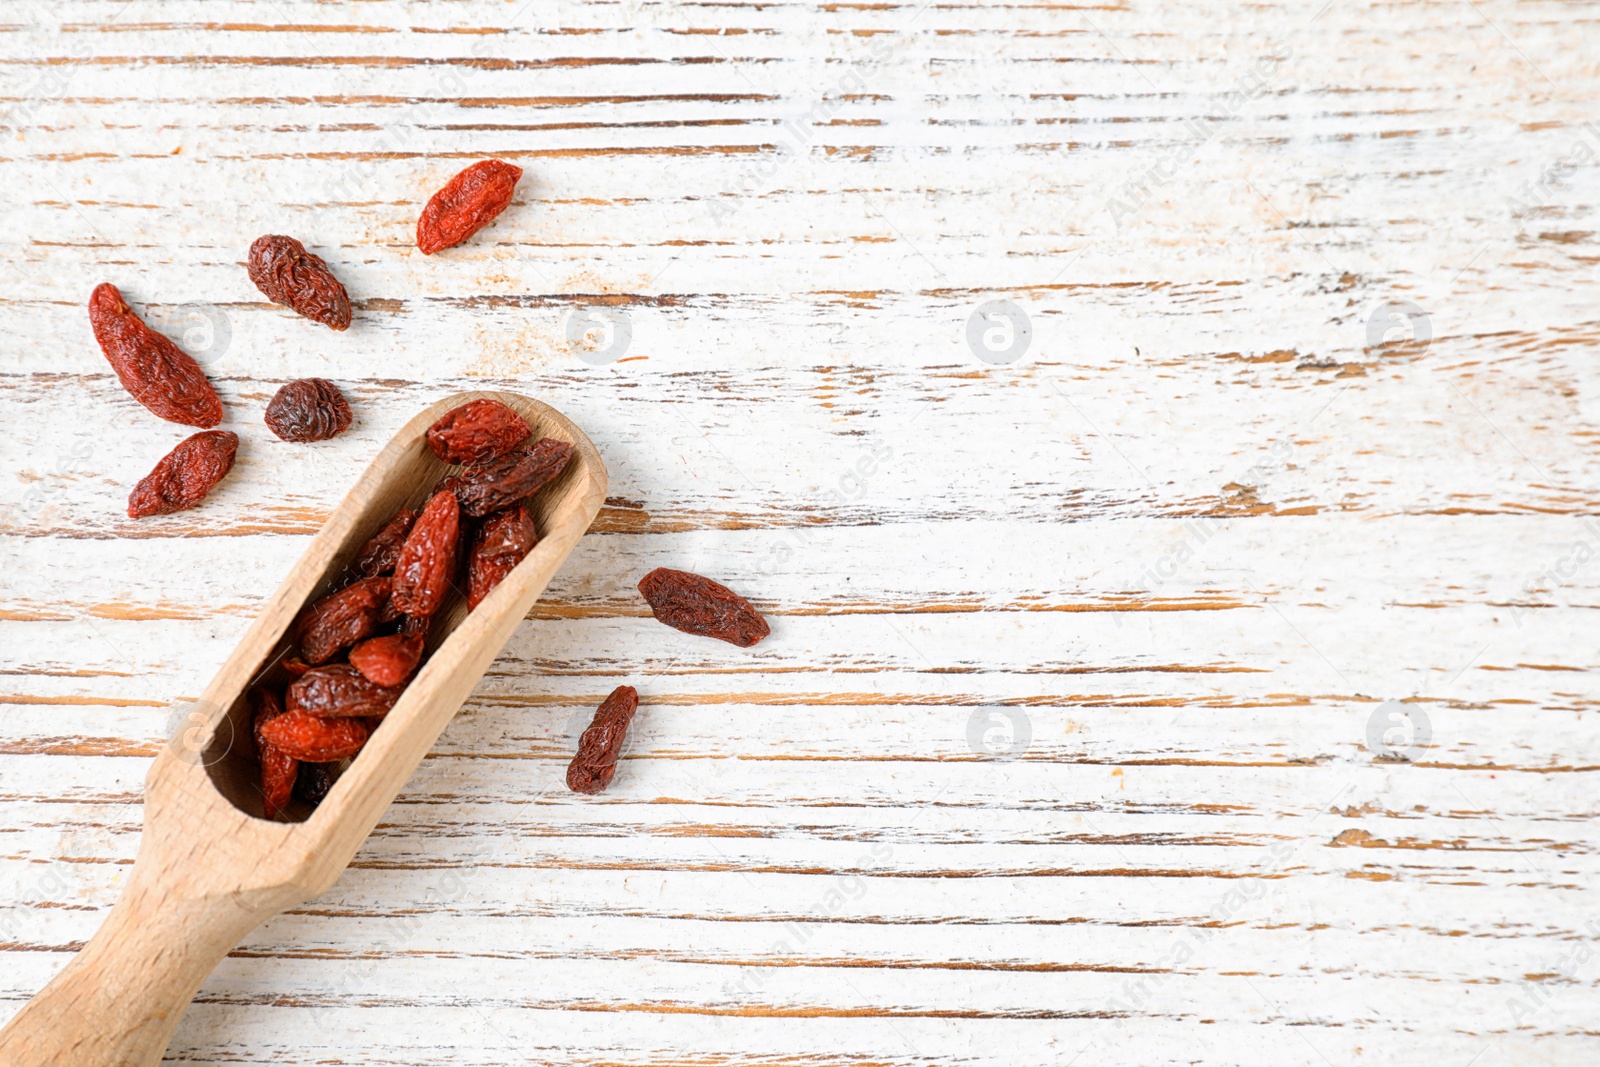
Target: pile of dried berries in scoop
x=168, y=381
x=355, y=648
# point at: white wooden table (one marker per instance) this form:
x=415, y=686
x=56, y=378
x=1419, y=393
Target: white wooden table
x=1204, y=673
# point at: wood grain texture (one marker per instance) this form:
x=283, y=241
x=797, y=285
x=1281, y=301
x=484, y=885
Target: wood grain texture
x=1193, y=542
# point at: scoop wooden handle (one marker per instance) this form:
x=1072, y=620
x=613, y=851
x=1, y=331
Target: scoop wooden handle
x=118, y=1001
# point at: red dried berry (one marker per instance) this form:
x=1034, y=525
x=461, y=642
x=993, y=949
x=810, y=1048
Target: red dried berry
x=315, y=739
x=340, y=619
x=428, y=558
x=387, y=661
x=416, y=624
x=311, y=409
x=185, y=475
x=277, y=766
x=390, y=613
x=340, y=691
x=504, y=540
x=467, y=203
x=502, y=483
x=158, y=374
x=697, y=605
x=294, y=666
x=382, y=552
x=289, y=275
x=477, y=432
x=592, y=769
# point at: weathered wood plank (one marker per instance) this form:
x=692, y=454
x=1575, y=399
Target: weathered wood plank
x=1191, y=541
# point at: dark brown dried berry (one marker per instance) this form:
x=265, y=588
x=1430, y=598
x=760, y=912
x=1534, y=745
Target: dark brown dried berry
x=315, y=739
x=387, y=660
x=697, y=605
x=428, y=558
x=503, y=541
x=158, y=374
x=311, y=409
x=314, y=781
x=467, y=203
x=289, y=275
x=340, y=619
x=502, y=483
x=382, y=552
x=592, y=768
x=277, y=766
x=477, y=432
x=340, y=691
x=185, y=475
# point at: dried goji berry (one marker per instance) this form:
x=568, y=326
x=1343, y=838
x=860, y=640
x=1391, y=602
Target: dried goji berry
x=379, y=555
x=340, y=619
x=389, y=660
x=503, y=541
x=502, y=483
x=277, y=766
x=185, y=475
x=315, y=739
x=314, y=781
x=416, y=624
x=428, y=558
x=159, y=374
x=697, y=605
x=340, y=691
x=294, y=666
x=467, y=203
x=311, y=409
x=477, y=432
x=289, y=275
x=591, y=770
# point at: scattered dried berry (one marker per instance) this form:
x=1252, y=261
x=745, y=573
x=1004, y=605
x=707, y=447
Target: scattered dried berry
x=315, y=739
x=340, y=619
x=185, y=475
x=505, y=538
x=592, y=768
x=340, y=691
x=158, y=374
x=467, y=203
x=379, y=555
x=428, y=558
x=477, y=432
x=697, y=605
x=277, y=766
x=387, y=660
x=311, y=409
x=502, y=483
x=289, y=275
x=314, y=781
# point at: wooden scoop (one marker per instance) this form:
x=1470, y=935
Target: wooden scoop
x=210, y=867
